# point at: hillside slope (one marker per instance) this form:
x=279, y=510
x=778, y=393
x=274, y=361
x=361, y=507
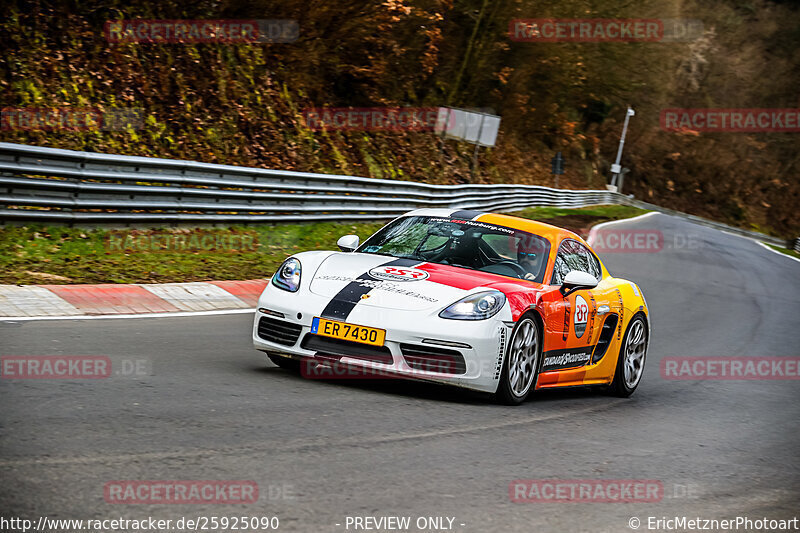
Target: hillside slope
x=243, y=103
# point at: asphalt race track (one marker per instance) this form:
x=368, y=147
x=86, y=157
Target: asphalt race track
x=210, y=407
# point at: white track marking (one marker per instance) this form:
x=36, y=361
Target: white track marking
x=776, y=251
x=594, y=229
x=140, y=315
x=196, y=296
x=32, y=301
x=603, y=224
x=197, y=299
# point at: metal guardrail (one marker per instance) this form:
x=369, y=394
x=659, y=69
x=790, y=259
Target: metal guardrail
x=48, y=184
x=66, y=186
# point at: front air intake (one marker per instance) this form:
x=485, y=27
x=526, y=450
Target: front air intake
x=431, y=359
x=328, y=347
x=279, y=331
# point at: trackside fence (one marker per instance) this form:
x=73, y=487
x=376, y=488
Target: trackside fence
x=51, y=185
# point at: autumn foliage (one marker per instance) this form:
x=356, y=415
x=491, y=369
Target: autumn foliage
x=243, y=103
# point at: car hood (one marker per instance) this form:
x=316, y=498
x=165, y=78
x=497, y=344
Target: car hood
x=380, y=281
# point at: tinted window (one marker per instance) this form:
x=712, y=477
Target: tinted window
x=463, y=243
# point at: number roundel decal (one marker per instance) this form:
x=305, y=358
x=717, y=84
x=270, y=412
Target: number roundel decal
x=581, y=316
x=392, y=273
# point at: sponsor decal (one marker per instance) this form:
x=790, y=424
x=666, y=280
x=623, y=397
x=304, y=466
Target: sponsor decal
x=498, y=367
x=475, y=224
x=581, y=316
x=341, y=305
x=592, y=315
x=560, y=359
x=377, y=285
x=395, y=273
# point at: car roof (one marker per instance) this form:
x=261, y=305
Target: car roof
x=552, y=233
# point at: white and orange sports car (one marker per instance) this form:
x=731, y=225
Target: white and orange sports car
x=489, y=302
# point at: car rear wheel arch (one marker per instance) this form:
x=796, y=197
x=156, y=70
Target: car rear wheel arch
x=618, y=386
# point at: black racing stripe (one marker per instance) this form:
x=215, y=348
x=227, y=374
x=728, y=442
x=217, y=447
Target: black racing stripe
x=466, y=214
x=341, y=305
x=340, y=309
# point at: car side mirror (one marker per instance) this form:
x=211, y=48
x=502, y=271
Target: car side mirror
x=348, y=243
x=577, y=280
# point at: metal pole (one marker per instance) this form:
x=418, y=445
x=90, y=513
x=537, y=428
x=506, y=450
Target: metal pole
x=616, y=168
x=477, y=145
x=443, y=136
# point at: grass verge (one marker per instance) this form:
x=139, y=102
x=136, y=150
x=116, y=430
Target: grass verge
x=785, y=251
x=61, y=255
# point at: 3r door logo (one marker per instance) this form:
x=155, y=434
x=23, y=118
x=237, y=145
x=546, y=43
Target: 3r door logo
x=581, y=316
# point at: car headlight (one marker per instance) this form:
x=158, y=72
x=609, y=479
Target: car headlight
x=478, y=306
x=288, y=275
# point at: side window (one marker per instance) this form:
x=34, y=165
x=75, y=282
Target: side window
x=572, y=255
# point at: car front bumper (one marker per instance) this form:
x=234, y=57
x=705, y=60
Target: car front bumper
x=481, y=343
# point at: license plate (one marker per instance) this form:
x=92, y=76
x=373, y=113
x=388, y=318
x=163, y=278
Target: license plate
x=348, y=332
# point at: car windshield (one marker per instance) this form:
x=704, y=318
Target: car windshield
x=465, y=244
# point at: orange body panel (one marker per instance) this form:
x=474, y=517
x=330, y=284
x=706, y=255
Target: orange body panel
x=563, y=335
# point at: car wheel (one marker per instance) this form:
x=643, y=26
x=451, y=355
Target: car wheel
x=630, y=363
x=521, y=366
x=287, y=363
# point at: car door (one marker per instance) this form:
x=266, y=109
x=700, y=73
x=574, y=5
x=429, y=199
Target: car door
x=572, y=320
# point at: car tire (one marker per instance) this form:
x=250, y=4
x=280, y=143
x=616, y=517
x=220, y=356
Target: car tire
x=522, y=362
x=631, y=359
x=287, y=363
